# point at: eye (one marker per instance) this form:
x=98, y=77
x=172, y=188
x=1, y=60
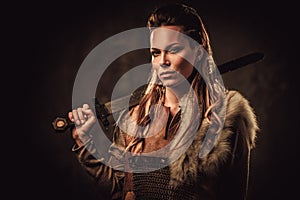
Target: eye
x=174, y=50
x=155, y=53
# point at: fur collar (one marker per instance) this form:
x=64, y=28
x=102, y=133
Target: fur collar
x=189, y=164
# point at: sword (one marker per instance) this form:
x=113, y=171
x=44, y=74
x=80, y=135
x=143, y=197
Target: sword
x=105, y=110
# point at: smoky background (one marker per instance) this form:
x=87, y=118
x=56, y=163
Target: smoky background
x=50, y=40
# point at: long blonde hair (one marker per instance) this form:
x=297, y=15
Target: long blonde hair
x=209, y=92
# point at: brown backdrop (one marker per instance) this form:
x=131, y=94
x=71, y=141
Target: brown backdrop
x=52, y=40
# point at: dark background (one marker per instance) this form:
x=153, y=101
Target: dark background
x=48, y=41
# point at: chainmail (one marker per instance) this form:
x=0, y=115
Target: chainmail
x=155, y=186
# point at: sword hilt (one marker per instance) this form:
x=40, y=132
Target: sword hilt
x=103, y=111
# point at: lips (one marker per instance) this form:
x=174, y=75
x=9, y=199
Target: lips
x=166, y=74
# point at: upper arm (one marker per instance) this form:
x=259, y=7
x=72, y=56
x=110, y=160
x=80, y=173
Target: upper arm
x=235, y=178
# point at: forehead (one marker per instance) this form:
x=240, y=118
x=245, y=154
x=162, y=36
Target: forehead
x=165, y=36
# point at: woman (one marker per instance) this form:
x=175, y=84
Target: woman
x=200, y=133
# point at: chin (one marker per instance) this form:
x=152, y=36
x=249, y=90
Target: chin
x=171, y=83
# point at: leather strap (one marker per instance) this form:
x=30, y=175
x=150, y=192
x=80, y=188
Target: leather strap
x=128, y=187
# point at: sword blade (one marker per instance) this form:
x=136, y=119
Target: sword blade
x=60, y=124
x=240, y=62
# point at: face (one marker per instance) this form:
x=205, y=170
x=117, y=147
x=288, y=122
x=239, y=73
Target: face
x=173, y=57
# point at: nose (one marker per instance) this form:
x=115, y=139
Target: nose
x=164, y=61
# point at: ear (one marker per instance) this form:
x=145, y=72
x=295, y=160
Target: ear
x=200, y=52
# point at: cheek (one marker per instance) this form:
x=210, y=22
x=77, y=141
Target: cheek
x=187, y=57
x=184, y=67
x=180, y=63
x=155, y=65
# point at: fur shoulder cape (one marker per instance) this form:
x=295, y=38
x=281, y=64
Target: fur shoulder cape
x=189, y=164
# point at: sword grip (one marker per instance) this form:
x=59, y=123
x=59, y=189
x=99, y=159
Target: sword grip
x=61, y=124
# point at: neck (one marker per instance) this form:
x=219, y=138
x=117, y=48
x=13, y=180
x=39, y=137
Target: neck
x=171, y=101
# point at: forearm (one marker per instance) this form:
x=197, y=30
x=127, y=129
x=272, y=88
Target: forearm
x=105, y=176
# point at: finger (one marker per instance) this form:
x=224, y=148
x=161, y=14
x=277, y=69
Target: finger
x=91, y=115
x=84, y=108
x=70, y=115
x=76, y=118
x=87, y=111
x=80, y=115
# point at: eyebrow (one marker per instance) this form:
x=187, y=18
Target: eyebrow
x=168, y=47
